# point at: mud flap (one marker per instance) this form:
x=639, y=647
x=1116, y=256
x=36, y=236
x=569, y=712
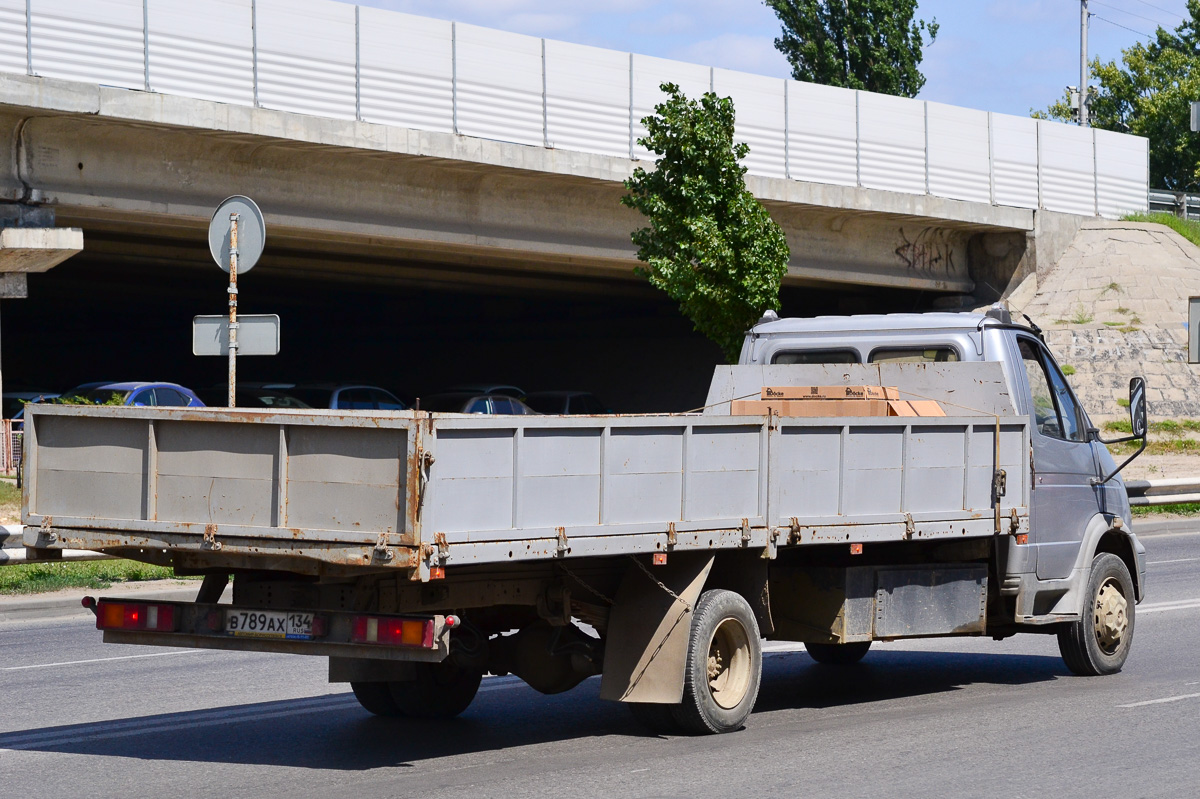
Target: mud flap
x=648, y=631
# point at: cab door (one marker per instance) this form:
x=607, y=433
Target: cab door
x=1064, y=498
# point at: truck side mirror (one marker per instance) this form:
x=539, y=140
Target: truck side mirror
x=1137, y=406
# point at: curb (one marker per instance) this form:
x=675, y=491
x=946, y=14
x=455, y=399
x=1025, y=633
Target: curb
x=67, y=603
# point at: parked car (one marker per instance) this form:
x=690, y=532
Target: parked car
x=142, y=394
x=251, y=397
x=14, y=401
x=487, y=388
x=351, y=397
x=566, y=402
x=469, y=402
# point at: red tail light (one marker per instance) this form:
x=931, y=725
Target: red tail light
x=135, y=616
x=392, y=631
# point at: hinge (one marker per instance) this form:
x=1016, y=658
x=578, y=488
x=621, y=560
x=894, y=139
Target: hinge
x=381, y=548
x=999, y=485
x=443, y=547
x=1014, y=522
x=672, y=537
x=910, y=528
x=563, y=545
x=210, y=538
x=794, y=535
x=745, y=532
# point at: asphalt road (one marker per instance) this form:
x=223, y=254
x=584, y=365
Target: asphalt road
x=961, y=718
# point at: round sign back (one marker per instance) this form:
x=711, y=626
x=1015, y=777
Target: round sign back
x=252, y=233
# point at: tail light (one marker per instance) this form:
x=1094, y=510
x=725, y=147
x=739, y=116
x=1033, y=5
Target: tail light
x=135, y=616
x=391, y=631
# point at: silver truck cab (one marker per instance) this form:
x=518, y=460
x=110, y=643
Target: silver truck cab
x=1076, y=514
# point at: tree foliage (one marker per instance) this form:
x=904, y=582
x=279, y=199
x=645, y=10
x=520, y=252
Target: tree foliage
x=1149, y=94
x=857, y=44
x=710, y=245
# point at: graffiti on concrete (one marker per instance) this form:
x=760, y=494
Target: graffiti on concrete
x=929, y=252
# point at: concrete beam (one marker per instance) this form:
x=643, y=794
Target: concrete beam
x=37, y=249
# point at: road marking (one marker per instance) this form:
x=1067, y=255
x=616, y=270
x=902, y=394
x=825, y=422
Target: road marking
x=1160, y=607
x=104, y=660
x=1161, y=701
x=1177, y=560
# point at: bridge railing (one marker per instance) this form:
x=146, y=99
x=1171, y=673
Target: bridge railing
x=342, y=61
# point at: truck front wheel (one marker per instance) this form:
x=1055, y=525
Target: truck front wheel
x=1099, y=642
x=724, y=665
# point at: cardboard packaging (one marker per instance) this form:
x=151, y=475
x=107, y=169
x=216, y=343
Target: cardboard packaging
x=829, y=392
x=811, y=408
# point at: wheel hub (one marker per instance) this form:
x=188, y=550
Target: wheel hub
x=729, y=664
x=1111, y=616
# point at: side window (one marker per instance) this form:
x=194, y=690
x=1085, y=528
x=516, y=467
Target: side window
x=1054, y=410
x=914, y=355
x=815, y=356
x=142, y=398
x=385, y=401
x=169, y=397
x=479, y=405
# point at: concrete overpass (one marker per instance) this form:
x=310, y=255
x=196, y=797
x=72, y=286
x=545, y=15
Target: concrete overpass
x=508, y=179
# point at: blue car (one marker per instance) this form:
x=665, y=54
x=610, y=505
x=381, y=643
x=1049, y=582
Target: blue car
x=139, y=394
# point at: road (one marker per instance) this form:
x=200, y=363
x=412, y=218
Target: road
x=962, y=718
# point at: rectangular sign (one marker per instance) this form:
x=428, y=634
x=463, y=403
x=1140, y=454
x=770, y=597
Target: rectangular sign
x=258, y=334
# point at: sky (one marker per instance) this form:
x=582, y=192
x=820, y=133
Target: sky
x=1010, y=56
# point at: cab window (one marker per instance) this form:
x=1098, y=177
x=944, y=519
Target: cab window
x=914, y=355
x=1055, y=412
x=815, y=356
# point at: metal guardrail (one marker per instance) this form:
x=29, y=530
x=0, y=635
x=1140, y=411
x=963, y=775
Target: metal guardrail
x=1163, y=492
x=1181, y=204
x=13, y=551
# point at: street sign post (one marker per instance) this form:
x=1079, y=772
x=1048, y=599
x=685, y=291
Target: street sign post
x=236, y=235
x=258, y=334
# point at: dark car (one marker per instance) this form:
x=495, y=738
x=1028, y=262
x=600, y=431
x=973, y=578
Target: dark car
x=469, y=402
x=141, y=394
x=563, y=402
x=251, y=397
x=347, y=396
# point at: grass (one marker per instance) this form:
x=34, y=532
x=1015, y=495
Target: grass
x=1184, y=509
x=1068, y=370
x=10, y=502
x=1082, y=316
x=1184, y=227
x=34, y=578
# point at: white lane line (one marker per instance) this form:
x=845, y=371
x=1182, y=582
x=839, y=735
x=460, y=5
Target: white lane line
x=1176, y=560
x=104, y=660
x=1161, y=701
x=1161, y=607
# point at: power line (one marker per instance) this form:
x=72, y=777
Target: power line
x=1123, y=11
x=1172, y=14
x=1126, y=27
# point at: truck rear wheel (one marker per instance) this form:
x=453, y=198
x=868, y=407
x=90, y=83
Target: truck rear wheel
x=838, y=654
x=1099, y=642
x=375, y=697
x=723, y=670
x=439, y=690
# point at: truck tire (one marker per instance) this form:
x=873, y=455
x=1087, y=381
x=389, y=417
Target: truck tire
x=1099, y=642
x=439, y=690
x=723, y=670
x=838, y=654
x=375, y=697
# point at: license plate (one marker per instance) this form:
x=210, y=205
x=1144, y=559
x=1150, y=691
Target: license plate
x=268, y=624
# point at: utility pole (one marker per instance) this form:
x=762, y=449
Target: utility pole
x=1083, y=63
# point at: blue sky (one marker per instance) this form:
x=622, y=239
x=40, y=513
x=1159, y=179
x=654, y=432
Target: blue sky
x=998, y=55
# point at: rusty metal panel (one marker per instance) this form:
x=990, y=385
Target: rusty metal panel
x=14, y=51
x=935, y=468
x=89, y=470
x=724, y=469
x=216, y=473
x=340, y=479
x=100, y=41
x=643, y=479
x=930, y=601
x=472, y=482
x=406, y=70
x=559, y=474
x=203, y=50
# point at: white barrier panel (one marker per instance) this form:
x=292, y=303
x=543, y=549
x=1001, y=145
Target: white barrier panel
x=204, y=51
x=1067, y=168
x=13, y=44
x=822, y=134
x=406, y=70
x=587, y=99
x=499, y=85
x=1014, y=160
x=891, y=143
x=100, y=41
x=306, y=58
x=958, y=153
x=648, y=74
x=758, y=103
x=1121, y=167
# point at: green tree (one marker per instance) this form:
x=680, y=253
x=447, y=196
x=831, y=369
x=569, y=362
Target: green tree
x=710, y=245
x=1149, y=94
x=857, y=44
